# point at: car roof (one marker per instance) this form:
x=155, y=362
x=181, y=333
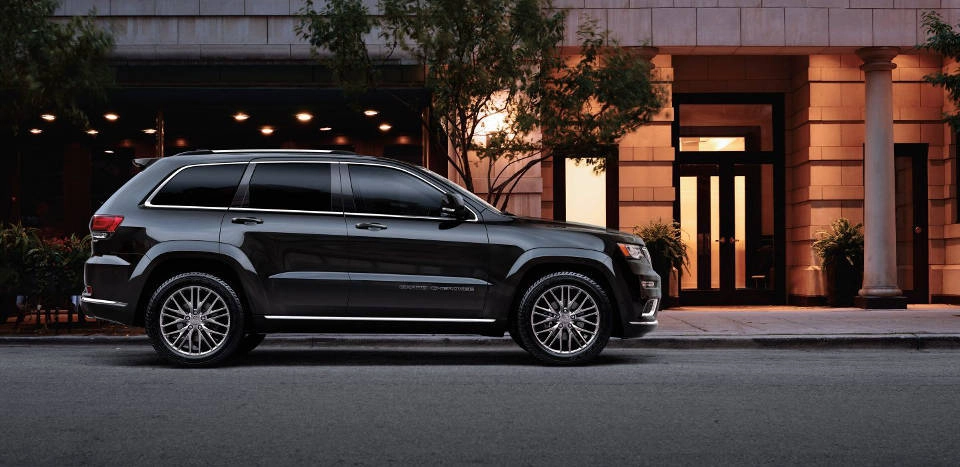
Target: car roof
x=242, y=155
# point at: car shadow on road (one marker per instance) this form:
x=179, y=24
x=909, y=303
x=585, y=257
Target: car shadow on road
x=382, y=356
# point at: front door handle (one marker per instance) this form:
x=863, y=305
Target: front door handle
x=247, y=220
x=370, y=226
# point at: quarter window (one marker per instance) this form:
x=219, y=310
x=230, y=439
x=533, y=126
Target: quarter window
x=204, y=185
x=382, y=190
x=297, y=187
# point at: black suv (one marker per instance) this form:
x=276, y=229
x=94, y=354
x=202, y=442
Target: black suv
x=211, y=250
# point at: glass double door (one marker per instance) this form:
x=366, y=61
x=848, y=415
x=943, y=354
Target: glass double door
x=728, y=222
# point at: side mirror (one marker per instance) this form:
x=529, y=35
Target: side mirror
x=452, y=205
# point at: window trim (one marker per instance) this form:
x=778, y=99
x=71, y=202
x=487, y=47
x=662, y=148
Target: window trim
x=149, y=201
x=245, y=186
x=349, y=186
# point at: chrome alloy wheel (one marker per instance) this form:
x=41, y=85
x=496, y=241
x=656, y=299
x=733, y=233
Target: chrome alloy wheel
x=194, y=321
x=565, y=320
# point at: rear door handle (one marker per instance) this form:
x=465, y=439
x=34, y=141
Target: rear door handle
x=247, y=220
x=370, y=226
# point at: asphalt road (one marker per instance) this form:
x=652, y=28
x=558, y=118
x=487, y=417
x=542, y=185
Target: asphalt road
x=107, y=405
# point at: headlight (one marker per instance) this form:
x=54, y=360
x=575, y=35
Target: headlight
x=631, y=250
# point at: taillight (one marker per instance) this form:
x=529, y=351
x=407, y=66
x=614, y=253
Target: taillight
x=102, y=225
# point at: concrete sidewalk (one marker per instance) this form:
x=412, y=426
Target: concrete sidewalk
x=920, y=326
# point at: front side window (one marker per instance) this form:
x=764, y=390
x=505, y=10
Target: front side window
x=382, y=190
x=294, y=187
x=202, y=185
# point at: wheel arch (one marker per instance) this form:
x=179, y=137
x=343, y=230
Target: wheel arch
x=168, y=265
x=592, y=264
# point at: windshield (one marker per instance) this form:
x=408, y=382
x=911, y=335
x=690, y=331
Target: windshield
x=459, y=189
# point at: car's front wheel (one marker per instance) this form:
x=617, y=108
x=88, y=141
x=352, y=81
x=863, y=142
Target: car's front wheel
x=195, y=319
x=564, y=318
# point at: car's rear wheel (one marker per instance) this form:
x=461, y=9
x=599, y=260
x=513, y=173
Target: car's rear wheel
x=195, y=319
x=564, y=318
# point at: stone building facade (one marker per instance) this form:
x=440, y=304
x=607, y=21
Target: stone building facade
x=782, y=116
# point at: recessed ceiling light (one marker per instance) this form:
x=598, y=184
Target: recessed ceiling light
x=92, y=132
x=304, y=117
x=385, y=126
x=49, y=117
x=240, y=117
x=149, y=131
x=266, y=130
x=111, y=116
x=325, y=128
x=36, y=131
x=370, y=112
x=108, y=151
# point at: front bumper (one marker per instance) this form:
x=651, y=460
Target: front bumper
x=639, y=316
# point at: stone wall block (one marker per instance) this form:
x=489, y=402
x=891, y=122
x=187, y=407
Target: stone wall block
x=280, y=30
x=631, y=27
x=221, y=7
x=675, y=26
x=895, y=28
x=762, y=26
x=849, y=27
x=806, y=27
x=132, y=8
x=245, y=30
x=718, y=26
x=82, y=7
x=143, y=30
x=266, y=7
x=178, y=7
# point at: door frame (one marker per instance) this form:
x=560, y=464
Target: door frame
x=726, y=161
x=612, y=185
x=918, y=153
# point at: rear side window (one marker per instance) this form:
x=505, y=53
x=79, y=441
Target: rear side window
x=204, y=185
x=297, y=187
x=381, y=190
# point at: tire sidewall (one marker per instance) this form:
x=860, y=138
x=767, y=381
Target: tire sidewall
x=533, y=292
x=230, y=298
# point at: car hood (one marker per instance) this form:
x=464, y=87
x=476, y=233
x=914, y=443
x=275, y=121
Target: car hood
x=615, y=235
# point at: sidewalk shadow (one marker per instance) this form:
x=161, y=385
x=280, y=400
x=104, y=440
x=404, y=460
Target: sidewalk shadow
x=381, y=356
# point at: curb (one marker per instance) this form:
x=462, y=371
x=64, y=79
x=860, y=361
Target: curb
x=825, y=341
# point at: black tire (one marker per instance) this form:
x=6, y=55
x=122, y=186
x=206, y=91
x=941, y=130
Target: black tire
x=249, y=342
x=588, y=331
x=213, y=321
x=515, y=335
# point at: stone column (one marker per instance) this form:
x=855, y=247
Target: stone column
x=879, y=209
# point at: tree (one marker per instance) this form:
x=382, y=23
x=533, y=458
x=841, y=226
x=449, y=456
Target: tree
x=47, y=66
x=500, y=89
x=942, y=39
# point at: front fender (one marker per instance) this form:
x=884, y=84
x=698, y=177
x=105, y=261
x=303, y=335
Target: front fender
x=556, y=258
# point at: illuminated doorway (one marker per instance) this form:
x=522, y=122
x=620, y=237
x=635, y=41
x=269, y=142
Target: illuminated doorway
x=728, y=174
x=585, y=189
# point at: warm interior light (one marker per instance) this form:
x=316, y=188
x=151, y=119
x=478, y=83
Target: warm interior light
x=111, y=116
x=266, y=130
x=149, y=131
x=341, y=140
x=325, y=128
x=304, y=117
x=370, y=112
x=36, y=131
x=92, y=132
x=385, y=127
x=180, y=142
x=240, y=117
x=49, y=117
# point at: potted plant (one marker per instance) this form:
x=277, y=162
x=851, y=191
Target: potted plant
x=840, y=250
x=16, y=242
x=667, y=252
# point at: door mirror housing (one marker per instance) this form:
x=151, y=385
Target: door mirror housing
x=452, y=205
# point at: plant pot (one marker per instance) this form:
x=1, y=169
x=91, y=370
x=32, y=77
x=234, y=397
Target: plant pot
x=843, y=283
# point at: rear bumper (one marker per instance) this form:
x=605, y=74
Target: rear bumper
x=108, y=310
